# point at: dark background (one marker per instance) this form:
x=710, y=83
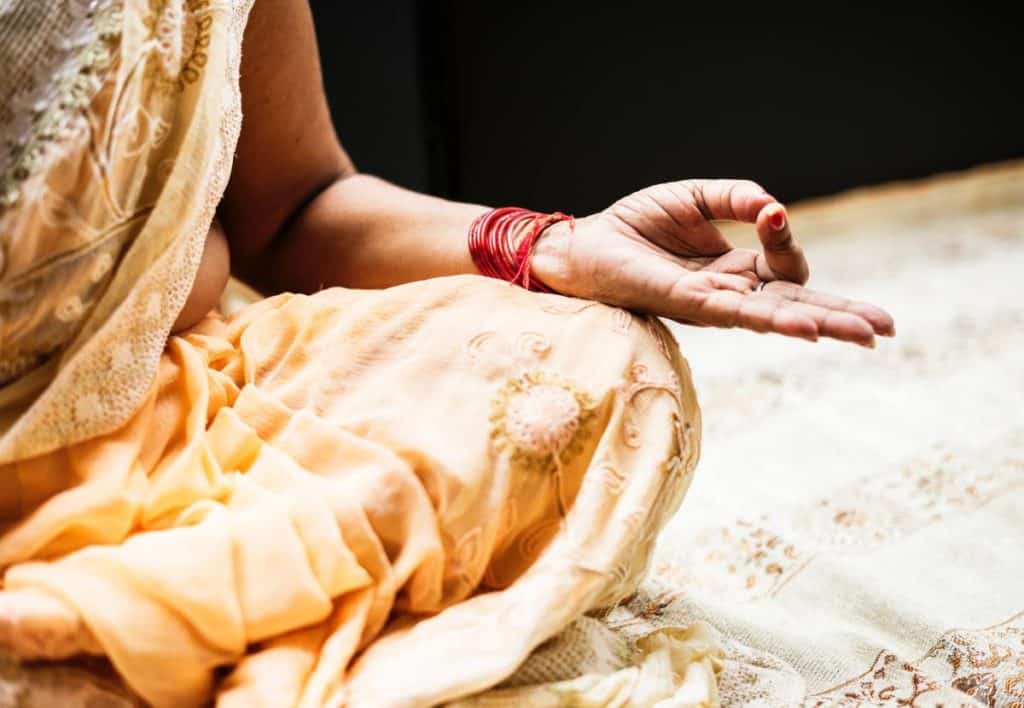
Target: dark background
x=570, y=105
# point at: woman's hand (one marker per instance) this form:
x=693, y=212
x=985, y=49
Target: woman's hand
x=658, y=251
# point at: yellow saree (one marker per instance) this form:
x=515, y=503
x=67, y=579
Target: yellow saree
x=355, y=498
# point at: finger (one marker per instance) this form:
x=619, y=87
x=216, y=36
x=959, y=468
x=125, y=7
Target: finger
x=728, y=199
x=672, y=216
x=784, y=255
x=726, y=281
x=835, y=324
x=763, y=314
x=754, y=312
x=744, y=261
x=688, y=292
x=735, y=305
x=881, y=321
x=661, y=287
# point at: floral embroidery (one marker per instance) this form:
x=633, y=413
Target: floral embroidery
x=876, y=510
x=980, y=687
x=889, y=682
x=101, y=265
x=964, y=668
x=491, y=353
x=560, y=305
x=756, y=558
x=742, y=561
x=70, y=309
x=639, y=380
x=78, y=105
x=662, y=337
x=69, y=70
x=987, y=664
x=542, y=420
x=182, y=33
x=167, y=29
x=197, y=58
x=532, y=344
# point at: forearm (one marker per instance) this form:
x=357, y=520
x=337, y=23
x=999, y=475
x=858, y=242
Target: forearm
x=296, y=215
x=363, y=232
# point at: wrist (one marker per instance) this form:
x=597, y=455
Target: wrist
x=502, y=244
x=550, y=259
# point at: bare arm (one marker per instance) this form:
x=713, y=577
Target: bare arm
x=297, y=215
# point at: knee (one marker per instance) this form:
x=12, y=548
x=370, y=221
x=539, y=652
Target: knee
x=656, y=338
x=664, y=361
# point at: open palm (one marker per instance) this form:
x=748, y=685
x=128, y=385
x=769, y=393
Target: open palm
x=659, y=251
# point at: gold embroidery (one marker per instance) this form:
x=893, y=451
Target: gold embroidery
x=964, y=668
x=181, y=31
x=757, y=558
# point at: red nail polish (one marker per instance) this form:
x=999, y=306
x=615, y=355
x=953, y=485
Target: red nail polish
x=778, y=220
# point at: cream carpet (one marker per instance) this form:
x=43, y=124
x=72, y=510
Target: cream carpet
x=855, y=530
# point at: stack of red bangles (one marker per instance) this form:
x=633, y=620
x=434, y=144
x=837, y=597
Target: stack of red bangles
x=493, y=248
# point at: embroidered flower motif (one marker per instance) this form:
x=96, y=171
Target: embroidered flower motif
x=965, y=667
x=182, y=33
x=100, y=267
x=743, y=561
x=40, y=124
x=70, y=309
x=168, y=34
x=541, y=419
x=980, y=687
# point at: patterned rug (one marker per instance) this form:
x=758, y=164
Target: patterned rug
x=855, y=530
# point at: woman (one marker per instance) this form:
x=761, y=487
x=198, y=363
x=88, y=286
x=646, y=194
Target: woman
x=382, y=494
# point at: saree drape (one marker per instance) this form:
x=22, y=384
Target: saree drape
x=358, y=498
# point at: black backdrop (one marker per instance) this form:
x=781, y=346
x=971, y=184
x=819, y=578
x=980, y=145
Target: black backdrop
x=569, y=105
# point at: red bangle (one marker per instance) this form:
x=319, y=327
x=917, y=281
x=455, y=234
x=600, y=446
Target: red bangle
x=493, y=249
